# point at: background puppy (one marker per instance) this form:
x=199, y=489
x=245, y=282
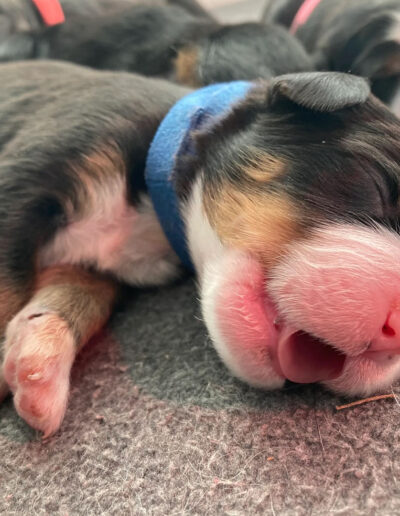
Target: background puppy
x=175, y=39
x=290, y=208
x=19, y=19
x=350, y=36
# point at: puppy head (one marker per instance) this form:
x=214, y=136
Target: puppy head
x=240, y=52
x=298, y=201
x=300, y=148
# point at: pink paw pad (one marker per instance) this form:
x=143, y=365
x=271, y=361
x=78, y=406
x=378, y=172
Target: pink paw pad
x=40, y=350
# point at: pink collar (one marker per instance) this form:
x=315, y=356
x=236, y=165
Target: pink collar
x=303, y=14
x=51, y=11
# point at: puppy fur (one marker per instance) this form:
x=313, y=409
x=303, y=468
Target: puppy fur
x=73, y=148
x=175, y=39
x=300, y=152
x=351, y=36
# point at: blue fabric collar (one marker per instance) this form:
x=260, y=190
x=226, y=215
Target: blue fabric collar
x=170, y=140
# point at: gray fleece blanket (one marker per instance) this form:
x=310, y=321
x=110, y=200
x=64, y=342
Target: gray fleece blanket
x=156, y=425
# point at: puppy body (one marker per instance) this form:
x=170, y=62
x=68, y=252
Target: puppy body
x=94, y=194
x=303, y=165
x=176, y=40
x=350, y=36
x=73, y=150
x=20, y=20
x=240, y=52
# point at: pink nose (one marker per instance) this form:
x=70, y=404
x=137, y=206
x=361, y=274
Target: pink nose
x=389, y=337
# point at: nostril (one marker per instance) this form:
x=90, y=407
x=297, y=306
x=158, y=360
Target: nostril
x=388, y=331
x=391, y=328
x=388, y=338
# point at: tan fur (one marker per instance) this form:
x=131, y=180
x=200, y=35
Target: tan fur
x=93, y=170
x=392, y=66
x=259, y=222
x=264, y=167
x=82, y=298
x=105, y=162
x=69, y=306
x=11, y=301
x=186, y=67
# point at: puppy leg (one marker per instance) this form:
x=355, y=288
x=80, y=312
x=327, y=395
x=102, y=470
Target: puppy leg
x=12, y=299
x=69, y=306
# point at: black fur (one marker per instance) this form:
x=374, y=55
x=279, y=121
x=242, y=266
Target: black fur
x=249, y=51
x=340, y=154
x=53, y=116
x=350, y=36
x=281, y=11
x=142, y=39
x=323, y=92
x=340, y=150
x=91, y=27
x=147, y=39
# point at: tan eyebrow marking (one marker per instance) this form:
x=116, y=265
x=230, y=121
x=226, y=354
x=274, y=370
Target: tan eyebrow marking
x=264, y=167
x=263, y=223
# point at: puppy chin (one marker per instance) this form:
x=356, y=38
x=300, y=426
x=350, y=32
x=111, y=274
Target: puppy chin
x=363, y=377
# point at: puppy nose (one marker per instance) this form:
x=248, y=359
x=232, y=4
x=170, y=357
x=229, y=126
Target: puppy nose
x=389, y=337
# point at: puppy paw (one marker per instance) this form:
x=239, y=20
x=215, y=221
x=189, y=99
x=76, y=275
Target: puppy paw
x=40, y=350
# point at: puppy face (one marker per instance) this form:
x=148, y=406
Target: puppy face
x=292, y=224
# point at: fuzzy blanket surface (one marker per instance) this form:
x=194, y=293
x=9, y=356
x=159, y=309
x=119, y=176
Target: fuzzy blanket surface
x=157, y=426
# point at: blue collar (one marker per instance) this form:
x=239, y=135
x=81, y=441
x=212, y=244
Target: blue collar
x=170, y=140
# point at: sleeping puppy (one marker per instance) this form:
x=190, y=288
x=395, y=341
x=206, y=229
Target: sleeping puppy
x=282, y=195
x=28, y=25
x=350, y=36
x=174, y=39
x=18, y=18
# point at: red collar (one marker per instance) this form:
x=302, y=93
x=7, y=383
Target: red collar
x=51, y=11
x=303, y=14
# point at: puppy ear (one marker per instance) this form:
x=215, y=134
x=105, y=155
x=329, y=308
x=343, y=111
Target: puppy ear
x=380, y=61
x=320, y=91
x=371, y=49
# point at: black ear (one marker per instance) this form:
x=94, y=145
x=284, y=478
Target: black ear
x=369, y=47
x=380, y=61
x=320, y=91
